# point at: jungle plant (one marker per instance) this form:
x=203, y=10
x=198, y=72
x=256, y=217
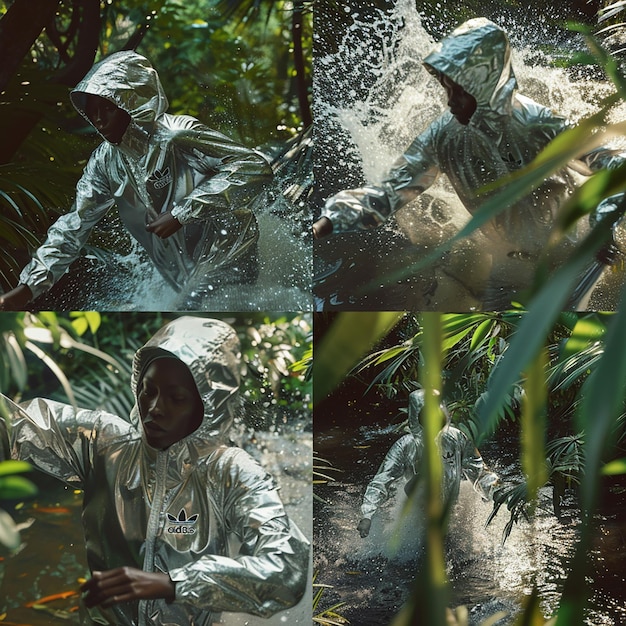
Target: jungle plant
x=598, y=413
x=329, y=616
x=299, y=13
x=13, y=486
x=583, y=457
x=322, y=468
x=24, y=333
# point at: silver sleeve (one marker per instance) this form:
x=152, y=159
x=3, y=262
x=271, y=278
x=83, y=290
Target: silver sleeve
x=270, y=571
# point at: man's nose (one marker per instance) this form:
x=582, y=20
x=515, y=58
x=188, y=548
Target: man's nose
x=98, y=117
x=155, y=406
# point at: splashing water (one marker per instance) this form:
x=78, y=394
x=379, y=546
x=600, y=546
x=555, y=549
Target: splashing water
x=373, y=97
x=131, y=282
x=374, y=576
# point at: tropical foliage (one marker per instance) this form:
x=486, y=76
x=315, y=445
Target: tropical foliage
x=328, y=616
x=561, y=386
x=242, y=67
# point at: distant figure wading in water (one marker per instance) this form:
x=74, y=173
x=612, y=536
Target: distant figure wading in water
x=460, y=459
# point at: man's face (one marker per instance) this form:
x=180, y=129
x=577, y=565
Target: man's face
x=110, y=121
x=462, y=104
x=169, y=403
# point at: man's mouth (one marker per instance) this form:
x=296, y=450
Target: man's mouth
x=153, y=427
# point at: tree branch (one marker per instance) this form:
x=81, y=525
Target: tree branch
x=19, y=28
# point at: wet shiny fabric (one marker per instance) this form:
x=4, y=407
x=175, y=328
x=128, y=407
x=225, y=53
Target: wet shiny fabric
x=206, y=514
x=460, y=460
x=163, y=162
x=505, y=133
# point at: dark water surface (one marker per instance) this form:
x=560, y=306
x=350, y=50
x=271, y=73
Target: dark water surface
x=373, y=578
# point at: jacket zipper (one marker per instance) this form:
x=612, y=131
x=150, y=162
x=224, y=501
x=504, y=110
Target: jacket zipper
x=154, y=524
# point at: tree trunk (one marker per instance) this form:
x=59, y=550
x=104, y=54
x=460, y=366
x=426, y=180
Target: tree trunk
x=298, y=55
x=22, y=37
x=19, y=28
x=86, y=45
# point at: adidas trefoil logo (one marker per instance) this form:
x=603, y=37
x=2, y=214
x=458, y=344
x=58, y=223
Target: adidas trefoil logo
x=182, y=524
x=161, y=178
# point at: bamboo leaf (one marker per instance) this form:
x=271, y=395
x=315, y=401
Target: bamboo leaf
x=350, y=336
x=16, y=487
x=532, y=615
x=534, y=426
x=615, y=468
x=543, y=310
x=14, y=467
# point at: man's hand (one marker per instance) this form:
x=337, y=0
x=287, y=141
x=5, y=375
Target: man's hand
x=126, y=584
x=608, y=254
x=322, y=228
x=16, y=299
x=164, y=226
x=364, y=527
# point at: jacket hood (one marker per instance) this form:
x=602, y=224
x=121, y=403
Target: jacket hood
x=210, y=349
x=129, y=81
x=477, y=56
x=416, y=404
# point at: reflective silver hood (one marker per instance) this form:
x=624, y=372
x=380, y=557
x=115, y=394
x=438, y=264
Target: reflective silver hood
x=210, y=349
x=477, y=56
x=416, y=404
x=129, y=81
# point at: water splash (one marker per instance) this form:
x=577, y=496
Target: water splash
x=131, y=282
x=373, y=575
x=373, y=97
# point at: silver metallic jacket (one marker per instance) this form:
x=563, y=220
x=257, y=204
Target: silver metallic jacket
x=459, y=457
x=506, y=132
x=164, y=162
x=206, y=514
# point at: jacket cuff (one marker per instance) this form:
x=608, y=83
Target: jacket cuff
x=37, y=280
x=181, y=213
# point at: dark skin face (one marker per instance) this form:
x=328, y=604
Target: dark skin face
x=169, y=403
x=462, y=104
x=109, y=120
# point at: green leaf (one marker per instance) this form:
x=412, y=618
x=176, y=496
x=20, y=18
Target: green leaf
x=14, y=467
x=543, y=310
x=534, y=426
x=603, y=395
x=614, y=468
x=85, y=320
x=348, y=339
x=588, y=196
x=532, y=615
x=16, y=487
x=587, y=330
x=483, y=330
